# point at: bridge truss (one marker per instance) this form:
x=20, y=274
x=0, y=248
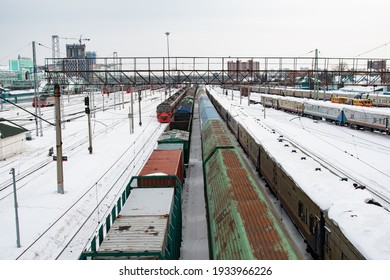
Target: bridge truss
x=281, y=71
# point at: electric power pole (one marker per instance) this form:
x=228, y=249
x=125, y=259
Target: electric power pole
x=132, y=113
x=60, y=172
x=88, y=112
x=36, y=93
x=316, y=86
x=139, y=103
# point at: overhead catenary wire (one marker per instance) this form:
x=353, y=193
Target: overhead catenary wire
x=26, y=111
x=373, y=49
x=9, y=55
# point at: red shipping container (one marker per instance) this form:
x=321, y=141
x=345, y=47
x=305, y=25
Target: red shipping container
x=162, y=163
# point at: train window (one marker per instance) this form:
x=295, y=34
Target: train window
x=312, y=224
x=300, y=211
x=327, y=239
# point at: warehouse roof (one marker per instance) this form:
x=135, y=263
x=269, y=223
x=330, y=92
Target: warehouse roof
x=8, y=128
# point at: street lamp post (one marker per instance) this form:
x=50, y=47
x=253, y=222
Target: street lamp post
x=169, y=66
x=167, y=33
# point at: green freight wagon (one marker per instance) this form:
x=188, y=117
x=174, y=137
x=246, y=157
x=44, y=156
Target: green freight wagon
x=177, y=136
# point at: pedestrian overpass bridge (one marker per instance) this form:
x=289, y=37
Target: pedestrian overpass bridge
x=278, y=71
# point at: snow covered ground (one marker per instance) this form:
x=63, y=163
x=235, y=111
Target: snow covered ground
x=58, y=226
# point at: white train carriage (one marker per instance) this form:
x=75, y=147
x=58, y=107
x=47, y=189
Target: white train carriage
x=270, y=101
x=367, y=118
x=324, y=110
x=291, y=105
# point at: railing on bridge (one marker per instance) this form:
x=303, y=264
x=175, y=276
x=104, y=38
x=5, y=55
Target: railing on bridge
x=286, y=71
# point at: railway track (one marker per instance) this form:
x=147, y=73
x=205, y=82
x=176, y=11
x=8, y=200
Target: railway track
x=343, y=174
x=339, y=171
x=73, y=116
x=75, y=223
x=77, y=219
x=6, y=184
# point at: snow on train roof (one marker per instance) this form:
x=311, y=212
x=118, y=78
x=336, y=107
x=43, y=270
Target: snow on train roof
x=367, y=226
x=329, y=104
x=320, y=184
x=148, y=201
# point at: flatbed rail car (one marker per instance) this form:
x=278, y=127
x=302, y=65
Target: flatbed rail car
x=331, y=212
x=241, y=222
x=146, y=222
x=166, y=108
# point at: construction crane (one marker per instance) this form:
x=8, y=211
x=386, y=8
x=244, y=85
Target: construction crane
x=79, y=39
x=56, y=44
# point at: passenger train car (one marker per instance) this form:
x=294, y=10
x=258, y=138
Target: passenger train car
x=166, y=109
x=336, y=217
x=354, y=116
x=45, y=100
x=377, y=100
x=242, y=224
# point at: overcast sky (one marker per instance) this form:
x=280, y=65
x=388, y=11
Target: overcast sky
x=337, y=28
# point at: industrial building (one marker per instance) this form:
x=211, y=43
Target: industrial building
x=19, y=74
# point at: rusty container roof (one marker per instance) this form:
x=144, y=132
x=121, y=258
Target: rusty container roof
x=242, y=223
x=214, y=136
x=164, y=162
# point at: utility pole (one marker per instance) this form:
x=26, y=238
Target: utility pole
x=139, y=103
x=123, y=99
x=60, y=170
x=103, y=99
x=12, y=171
x=36, y=94
x=316, y=86
x=132, y=113
x=63, y=112
x=88, y=112
x=129, y=115
x=115, y=62
x=169, y=67
x=249, y=96
x=240, y=95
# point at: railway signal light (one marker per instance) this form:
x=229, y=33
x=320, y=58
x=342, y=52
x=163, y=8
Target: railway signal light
x=86, y=101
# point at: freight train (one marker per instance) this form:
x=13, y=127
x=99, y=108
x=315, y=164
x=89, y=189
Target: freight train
x=337, y=218
x=146, y=221
x=353, y=116
x=242, y=224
